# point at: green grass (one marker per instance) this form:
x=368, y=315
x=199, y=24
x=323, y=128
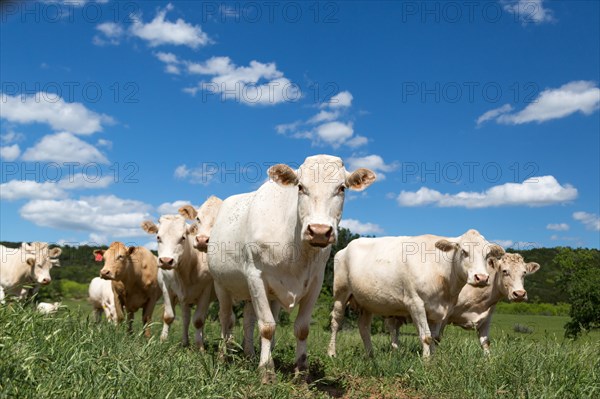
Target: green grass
x=68, y=356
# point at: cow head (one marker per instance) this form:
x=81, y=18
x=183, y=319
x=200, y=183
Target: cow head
x=172, y=234
x=473, y=253
x=116, y=259
x=511, y=270
x=41, y=259
x=205, y=218
x=321, y=182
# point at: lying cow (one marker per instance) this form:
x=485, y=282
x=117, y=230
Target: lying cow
x=192, y=283
x=102, y=298
x=28, y=265
x=420, y=277
x=475, y=306
x=137, y=270
x=271, y=246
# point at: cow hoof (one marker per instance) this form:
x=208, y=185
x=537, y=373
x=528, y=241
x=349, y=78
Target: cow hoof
x=268, y=376
x=394, y=346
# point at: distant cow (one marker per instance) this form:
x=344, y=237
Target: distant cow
x=192, y=282
x=475, y=306
x=137, y=269
x=102, y=299
x=48, y=308
x=28, y=265
x=420, y=277
x=271, y=246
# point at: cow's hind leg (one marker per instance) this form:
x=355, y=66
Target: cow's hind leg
x=364, y=327
x=226, y=317
x=249, y=322
x=186, y=311
x=337, y=318
x=200, y=317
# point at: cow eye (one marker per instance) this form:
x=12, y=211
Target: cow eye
x=182, y=238
x=506, y=272
x=158, y=238
x=341, y=189
x=301, y=189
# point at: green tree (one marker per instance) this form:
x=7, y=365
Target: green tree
x=581, y=283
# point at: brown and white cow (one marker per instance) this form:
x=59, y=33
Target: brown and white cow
x=420, y=277
x=28, y=265
x=271, y=246
x=136, y=268
x=475, y=306
x=191, y=281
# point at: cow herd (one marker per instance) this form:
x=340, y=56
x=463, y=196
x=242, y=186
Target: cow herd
x=269, y=248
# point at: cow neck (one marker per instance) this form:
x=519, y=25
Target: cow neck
x=457, y=282
x=494, y=295
x=189, y=260
x=132, y=276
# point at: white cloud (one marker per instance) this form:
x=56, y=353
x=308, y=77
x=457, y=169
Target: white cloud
x=255, y=84
x=324, y=116
x=577, y=96
x=104, y=143
x=111, y=33
x=63, y=147
x=504, y=243
x=591, y=221
x=373, y=162
x=171, y=61
x=536, y=191
x=493, y=114
x=159, y=31
x=557, y=226
x=26, y=189
x=194, y=175
x=10, y=152
x=105, y=215
x=529, y=11
x=51, y=109
x=169, y=208
x=334, y=133
x=358, y=227
x=11, y=137
x=151, y=245
x=341, y=100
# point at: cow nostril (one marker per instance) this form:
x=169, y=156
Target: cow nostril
x=329, y=232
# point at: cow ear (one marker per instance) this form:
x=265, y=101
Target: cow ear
x=188, y=212
x=193, y=229
x=55, y=262
x=360, y=179
x=149, y=227
x=283, y=175
x=131, y=250
x=55, y=252
x=532, y=267
x=30, y=261
x=445, y=245
x=496, y=251
x=98, y=255
x=26, y=246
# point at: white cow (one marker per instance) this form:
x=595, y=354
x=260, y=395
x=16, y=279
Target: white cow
x=271, y=246
x=475, y=306
x=48, y=308
x=205, y=217
x=420, y=277
x=28, y=265
x=191, y=282
x=102, y=299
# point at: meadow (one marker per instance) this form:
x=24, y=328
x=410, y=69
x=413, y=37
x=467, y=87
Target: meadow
x=67, y=355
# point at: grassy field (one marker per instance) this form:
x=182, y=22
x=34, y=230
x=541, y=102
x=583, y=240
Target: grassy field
x=68, y=356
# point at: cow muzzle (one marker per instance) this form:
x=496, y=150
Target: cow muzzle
x=46, y=281
x=519, y=296
x=106, y=274
x=166, y=263
x=202, y=243
x=320, y=235
x=481, y=280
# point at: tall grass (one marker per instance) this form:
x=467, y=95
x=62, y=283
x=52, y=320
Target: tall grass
x=68, y=356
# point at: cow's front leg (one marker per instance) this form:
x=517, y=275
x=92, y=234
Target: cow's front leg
x=147, y=316
x=266, y=324
x=249, y=322
x=419, y=318
x=484, y=334
x=200, y=317
x=365, y=319
x=186, y=311
x=168, y=315
x=301, y=326
x=226, y=317
x=129, y=321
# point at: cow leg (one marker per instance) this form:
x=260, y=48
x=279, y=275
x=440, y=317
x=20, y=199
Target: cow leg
x=98, y=315
x=249, y=322
x=419, y=317
x=226, y=317
x=275, y=309
x=186, y=310
x=168, y=315
x=337, y=317
x=364, y=328
x=129, y=322
x=302, y=324
x=484, y=330
x=266, y=325
x=147, y=316
x=436, y=335
x=393, y=326
x=200, y=317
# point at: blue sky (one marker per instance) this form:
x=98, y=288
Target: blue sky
x=474, y=115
